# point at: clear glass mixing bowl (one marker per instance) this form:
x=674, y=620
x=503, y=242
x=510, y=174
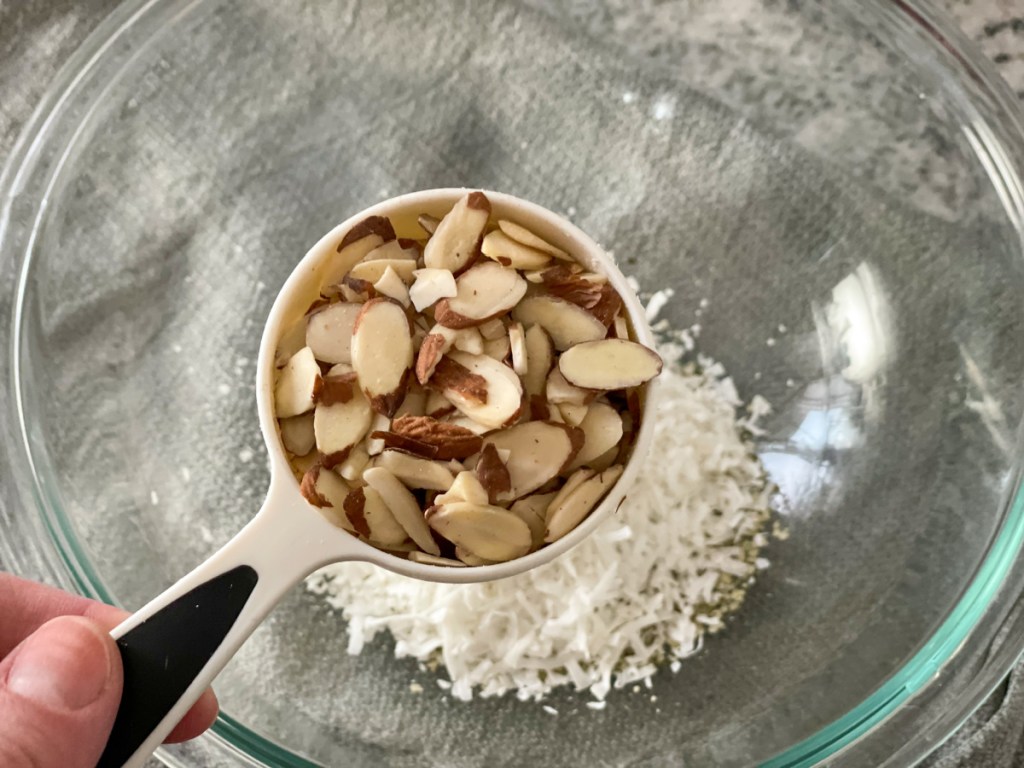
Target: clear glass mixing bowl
x=841, y=184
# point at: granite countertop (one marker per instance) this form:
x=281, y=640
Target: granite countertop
x=997, y=26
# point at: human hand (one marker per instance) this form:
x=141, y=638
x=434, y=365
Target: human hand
x=60, y=679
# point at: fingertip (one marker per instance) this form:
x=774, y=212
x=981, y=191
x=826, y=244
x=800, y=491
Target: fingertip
x=196, y=720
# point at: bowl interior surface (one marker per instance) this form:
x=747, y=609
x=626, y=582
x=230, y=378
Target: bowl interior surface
x=851, y=258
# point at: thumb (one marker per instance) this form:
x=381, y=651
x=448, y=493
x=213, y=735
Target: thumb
x=59, y=693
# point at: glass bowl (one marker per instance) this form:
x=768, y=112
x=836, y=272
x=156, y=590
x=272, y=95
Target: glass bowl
x=833, y=193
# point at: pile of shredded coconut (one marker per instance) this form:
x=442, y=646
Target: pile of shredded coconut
x=642, y=590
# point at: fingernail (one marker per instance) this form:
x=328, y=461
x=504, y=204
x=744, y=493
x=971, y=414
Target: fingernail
x=65, y=664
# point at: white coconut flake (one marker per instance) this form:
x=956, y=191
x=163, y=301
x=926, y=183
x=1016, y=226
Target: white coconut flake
x=643, y=590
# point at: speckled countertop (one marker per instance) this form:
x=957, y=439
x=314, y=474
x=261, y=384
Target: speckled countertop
x=998, y=27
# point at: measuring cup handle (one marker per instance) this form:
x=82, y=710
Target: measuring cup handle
x=174, y=646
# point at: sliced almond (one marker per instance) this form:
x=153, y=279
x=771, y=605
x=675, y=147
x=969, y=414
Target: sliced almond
x=532, y=510
x=566, y=323
x=467, y=487
x=302, y=464
x=430, y=286
x=467, y=423
x=517, y=346
x=559, y=391
x=391, y=285
x=572, y=414
x=493, y=474
x=379, y=425
x=352, y=467
x=602, y=432
x=434, y=346
x=538, y=452
x=511, y=253
x=620, y=327
x=456, y=239
x=298, y=385
x=468, y=558
x=562, y=282
x=415, y=402
x=499, y=348
x=340, y=369
x=291, y=341
x=449, y=441
x=606, y=459
x=484, y=291
x=403, y=506
x=324, y=489
x=403, y=249
x=437, y=405
x=424, y=559
x=340, y=426
x=373, y=271
x=609, y=364
x=356, y=291
x=297, y=434
x=337, y=388
x=492, y=329
x=569, y=510
x=608, y=307
x=540, y=357
x=488, y=532
x=329, y=332
x=482, y=388
x=382, y=353
x=469, y=340
x=428, y=223
x=522, y=235
x=415, y=472
x=371, y=518
x=368, y=234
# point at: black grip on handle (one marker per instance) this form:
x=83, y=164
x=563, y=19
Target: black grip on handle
x=163, y=655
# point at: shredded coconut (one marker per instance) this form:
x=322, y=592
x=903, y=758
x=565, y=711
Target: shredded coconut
x=643, y=590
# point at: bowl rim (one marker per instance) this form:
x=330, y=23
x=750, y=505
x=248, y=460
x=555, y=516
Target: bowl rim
x=881, y=720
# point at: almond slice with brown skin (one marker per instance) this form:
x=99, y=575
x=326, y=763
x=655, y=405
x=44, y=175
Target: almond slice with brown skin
x=522, y=235
x=416, y=472
x=368, y=234
x=456, y=239
x=424, y=559
x=620, y=327
x=562, y=282
x=337, y=388
x=532, y=510
x=391, y=286
x=373, y=271
x=572, y=414
x=538, y=452
x=430, y=286
x=382, y=353
x=488, y=532
x=338, y=427
x=298, y=385
x=566, y=323
x=435, y=345
x=510, y=253
x=493, y=474
x=297, y=434
x=602, y=430
x=403, y=506
x=467, y=423
x=559, y=391
x=482, y=388
x=609, y=364
x=437, y=405
x=415, y=402
x=465, y=488
x=371, y=518
x=329, y=332
x=324, y=489
x=484, y=291
x=450, y=441
x=379, y=425
x=608, y=307
x=428, y=223
x=567, y=512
